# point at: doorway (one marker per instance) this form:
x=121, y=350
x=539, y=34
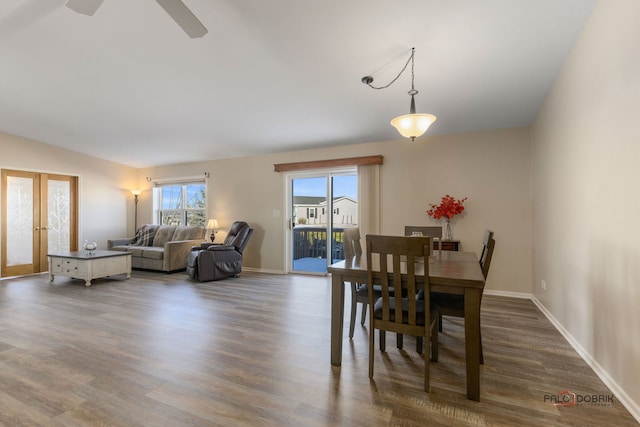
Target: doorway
x=39, y=216
x=320, y=206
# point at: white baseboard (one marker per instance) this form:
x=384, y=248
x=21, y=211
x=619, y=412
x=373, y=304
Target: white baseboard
x=262, y=270
x=621, y=395
x=509, y=294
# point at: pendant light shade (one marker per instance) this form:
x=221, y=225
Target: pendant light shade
x=413, y=125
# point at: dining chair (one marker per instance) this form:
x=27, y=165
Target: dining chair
x=359, y=291
x=403, y=315
x=435, y=232
x=453, y=305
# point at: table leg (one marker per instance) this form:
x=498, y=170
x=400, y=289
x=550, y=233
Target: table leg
x=50, y=261
x=337, y=318
x=472, y=341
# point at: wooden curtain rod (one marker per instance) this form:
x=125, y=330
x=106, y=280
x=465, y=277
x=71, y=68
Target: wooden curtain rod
x=317, y=164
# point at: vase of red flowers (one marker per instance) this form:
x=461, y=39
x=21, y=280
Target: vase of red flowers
x=447, y=209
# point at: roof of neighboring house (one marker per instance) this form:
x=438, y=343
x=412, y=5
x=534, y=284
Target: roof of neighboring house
x=317, y=200
x=308, y=200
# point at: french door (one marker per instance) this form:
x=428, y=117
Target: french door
x=39, y=216
x=320, y=207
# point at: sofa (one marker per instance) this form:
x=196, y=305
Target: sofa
x=211, y=261
x=160, y=247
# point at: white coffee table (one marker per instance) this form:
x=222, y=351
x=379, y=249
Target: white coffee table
x=89, y=266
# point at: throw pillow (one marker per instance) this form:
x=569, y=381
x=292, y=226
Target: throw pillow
x=144, y=235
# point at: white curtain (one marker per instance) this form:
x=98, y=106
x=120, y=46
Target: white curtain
x=369, y=199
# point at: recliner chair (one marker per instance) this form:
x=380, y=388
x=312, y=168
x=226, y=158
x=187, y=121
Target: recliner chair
x=211, y=261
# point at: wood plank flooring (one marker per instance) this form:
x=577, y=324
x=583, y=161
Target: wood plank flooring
x=162, y=350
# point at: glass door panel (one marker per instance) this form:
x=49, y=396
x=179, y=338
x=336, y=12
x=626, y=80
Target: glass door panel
x=344, y=209
x=19, y=221
x=309, y=224
x=59, y=212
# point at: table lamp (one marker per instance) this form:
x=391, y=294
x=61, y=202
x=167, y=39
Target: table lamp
x=212, y=224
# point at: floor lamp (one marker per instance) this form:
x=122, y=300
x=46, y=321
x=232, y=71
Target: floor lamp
x=135, y=193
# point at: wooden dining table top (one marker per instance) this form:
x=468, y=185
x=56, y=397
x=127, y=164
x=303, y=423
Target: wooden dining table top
x=456, y=269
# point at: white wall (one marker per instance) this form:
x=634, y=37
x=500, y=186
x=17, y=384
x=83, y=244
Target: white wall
x=491, y=168
x=106, y=204
x=586, y=148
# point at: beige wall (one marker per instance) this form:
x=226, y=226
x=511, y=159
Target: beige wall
x=491, y=168
x=105, y=201
x=586, y=148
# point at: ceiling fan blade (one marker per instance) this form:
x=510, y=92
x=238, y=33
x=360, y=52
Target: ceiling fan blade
x=183, y=17
x=85, y=7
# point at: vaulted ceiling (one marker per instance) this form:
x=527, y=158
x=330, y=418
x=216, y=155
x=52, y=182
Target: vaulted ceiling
x=128, y=85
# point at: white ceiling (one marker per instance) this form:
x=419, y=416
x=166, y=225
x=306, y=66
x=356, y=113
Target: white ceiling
x=128, y=85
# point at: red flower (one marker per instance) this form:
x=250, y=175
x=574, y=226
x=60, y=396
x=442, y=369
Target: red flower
x=448, y=208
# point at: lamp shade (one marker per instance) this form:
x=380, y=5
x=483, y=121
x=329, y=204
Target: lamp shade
x=212, y=224
x=413, y=125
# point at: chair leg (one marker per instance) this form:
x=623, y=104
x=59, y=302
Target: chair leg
x=354, y=306
x=481, y=353
x=439, y=322
x=419, y=345
x=399, y=341
x=372, y=337
x=434, y=340
x=427, y=385
x=364, y=312
x=383, y=339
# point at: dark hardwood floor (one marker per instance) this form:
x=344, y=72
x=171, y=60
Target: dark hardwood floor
x=162, y=350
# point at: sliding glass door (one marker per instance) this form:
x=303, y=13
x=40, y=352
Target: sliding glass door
x=320, y=206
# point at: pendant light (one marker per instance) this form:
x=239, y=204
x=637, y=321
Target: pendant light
x=410, y=125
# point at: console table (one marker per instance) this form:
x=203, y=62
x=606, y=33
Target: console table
x=447, y=245
x=89, y=266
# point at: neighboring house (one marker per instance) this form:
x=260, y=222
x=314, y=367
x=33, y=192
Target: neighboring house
x=314, y=210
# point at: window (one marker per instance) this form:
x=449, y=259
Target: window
x=181, y=203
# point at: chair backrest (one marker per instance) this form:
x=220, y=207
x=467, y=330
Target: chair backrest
x=427, y=231
x=404, y=253
x=488, y=243
x=238, y=235
x=352, y=246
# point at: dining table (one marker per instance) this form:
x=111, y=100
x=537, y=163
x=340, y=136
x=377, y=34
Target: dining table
x=450, y=272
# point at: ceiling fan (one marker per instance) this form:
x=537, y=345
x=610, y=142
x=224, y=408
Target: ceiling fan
x=176, y=9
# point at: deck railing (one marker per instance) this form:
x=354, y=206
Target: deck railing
x=311, y=242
